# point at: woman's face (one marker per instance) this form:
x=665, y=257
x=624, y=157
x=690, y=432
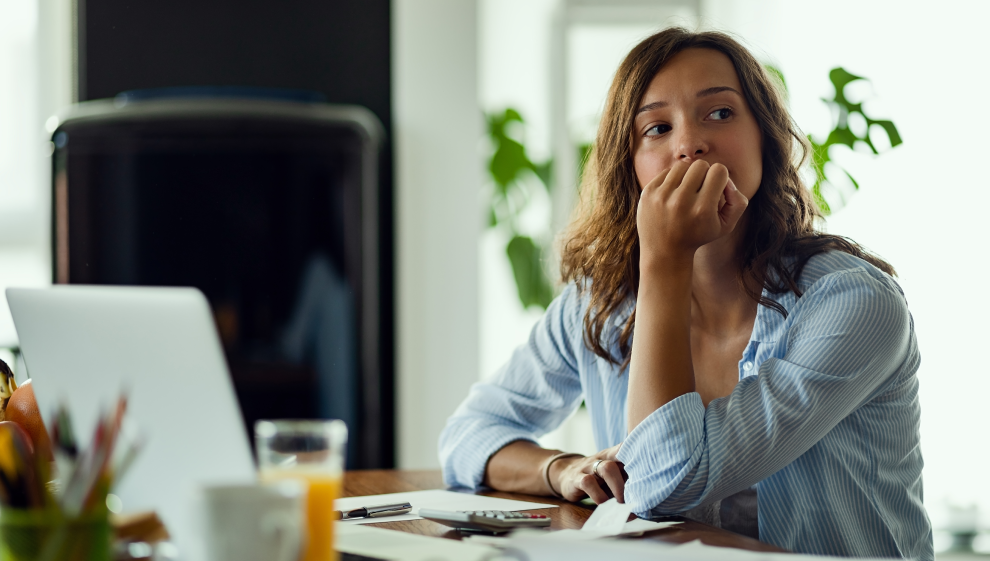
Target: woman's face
x=694, y=109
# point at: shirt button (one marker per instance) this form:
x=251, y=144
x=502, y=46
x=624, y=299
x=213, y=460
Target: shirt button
x=748, y=365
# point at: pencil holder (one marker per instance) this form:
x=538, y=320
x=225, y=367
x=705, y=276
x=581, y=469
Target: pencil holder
x=47, y=535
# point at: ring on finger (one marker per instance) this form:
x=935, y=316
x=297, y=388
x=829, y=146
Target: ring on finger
x=594, y=468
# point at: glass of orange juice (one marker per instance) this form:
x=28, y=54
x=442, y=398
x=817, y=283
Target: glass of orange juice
x=311, y=452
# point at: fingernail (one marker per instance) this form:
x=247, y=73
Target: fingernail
x=732, y=185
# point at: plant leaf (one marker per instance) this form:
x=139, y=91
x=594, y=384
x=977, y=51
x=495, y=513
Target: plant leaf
x=544, y=171
x=840, y=78
x=507, y=161
x=527, y=267
x=507, y=166
x=851, y=178
x=841, y=134
x=889, y=128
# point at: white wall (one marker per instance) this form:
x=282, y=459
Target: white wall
x=513, y=71
x=35, y=82
x=437, y=128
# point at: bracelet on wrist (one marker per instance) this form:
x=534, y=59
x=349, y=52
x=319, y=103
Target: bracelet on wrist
x=546, y=470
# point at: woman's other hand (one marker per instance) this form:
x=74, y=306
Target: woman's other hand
x=685, y=207
x=575, y=477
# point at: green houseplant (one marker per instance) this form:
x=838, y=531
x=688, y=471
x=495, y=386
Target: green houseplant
x=509, y=168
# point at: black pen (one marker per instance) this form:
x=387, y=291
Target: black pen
x=373, y=511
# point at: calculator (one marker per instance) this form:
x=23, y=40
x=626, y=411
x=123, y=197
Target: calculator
x=486, y=520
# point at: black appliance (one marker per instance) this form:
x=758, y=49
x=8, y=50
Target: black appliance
x=269, y=204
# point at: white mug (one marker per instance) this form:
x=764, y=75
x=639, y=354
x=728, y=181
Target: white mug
x=260, y=522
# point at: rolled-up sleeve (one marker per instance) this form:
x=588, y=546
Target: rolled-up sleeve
x=849, y=335
x=529, y=396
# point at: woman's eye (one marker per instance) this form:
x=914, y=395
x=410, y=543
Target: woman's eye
x=657, y=130
x=721, y=114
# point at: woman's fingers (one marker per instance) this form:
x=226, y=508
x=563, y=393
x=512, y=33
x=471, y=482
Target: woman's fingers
x=612, y=474
x=672, y=178
x=610, y=454
x=590, y=485
x=714, y=185
x=694, y=178
x=657, y=181
x=735, y=205
x=598, y=477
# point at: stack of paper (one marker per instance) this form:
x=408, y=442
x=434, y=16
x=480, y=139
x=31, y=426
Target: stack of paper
x=594, y=542
x=400, y=546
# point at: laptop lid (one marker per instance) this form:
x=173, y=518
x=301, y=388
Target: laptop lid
x=84, y=345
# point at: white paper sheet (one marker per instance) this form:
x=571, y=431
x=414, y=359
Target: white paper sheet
x=632, y=528
x=697, y=551
x=537, y=546
x=638, y=526
x=609, y=518
x=435, y=499
x=389, y=544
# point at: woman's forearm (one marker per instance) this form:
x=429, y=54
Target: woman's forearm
x=518, y=468
x=661, y=368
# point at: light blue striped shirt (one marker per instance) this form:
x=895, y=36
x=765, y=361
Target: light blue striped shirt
x=824, y=420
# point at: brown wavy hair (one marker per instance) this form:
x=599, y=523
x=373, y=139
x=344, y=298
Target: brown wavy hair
x=601, y=248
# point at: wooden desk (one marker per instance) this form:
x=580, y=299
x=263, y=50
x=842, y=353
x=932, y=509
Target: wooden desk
x=568, y=515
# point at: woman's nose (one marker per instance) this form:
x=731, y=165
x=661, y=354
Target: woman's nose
x=690, y=145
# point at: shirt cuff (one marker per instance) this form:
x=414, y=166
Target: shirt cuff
x=662, y=450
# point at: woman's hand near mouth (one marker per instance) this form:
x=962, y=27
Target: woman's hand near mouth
x=686, y=207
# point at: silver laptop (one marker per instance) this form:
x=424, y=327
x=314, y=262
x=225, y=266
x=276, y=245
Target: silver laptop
x=83, y=345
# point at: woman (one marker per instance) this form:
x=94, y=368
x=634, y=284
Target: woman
x=771, y=384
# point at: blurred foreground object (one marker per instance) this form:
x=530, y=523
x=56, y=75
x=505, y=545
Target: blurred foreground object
x=140, y=536
x=963, y=526
x=260, y=522
x=311, y=452
x=7, y=387
x=67, y=520
x=22, y=408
